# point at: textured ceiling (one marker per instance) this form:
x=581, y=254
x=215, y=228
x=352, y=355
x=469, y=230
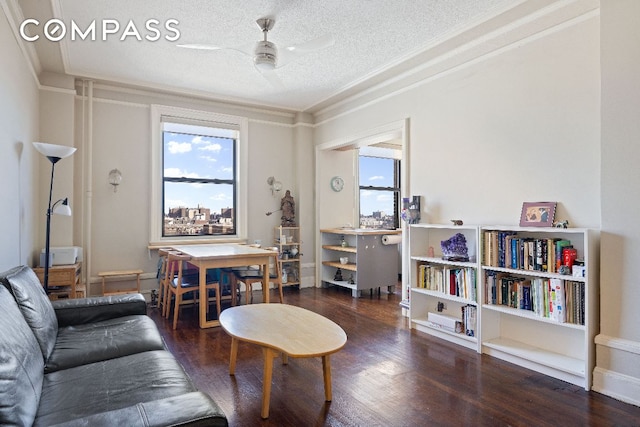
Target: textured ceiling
x=370, y=36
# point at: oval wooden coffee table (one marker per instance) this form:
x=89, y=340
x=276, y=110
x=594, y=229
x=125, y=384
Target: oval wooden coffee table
x=282, y=328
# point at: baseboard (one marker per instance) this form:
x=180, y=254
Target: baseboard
x=619, y=386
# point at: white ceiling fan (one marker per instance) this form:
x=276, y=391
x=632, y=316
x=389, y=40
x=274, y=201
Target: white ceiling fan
x=266, y=55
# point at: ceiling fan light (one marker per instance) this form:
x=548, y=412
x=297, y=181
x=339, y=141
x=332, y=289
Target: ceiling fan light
x=265, y=55
x=265, y=63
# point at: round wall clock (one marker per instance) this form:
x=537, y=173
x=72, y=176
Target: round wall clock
x=337, y=183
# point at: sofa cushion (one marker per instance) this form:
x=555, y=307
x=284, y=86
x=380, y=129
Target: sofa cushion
x=92, y=342
x=75, y=311
x=34, y=305
x=191, y=409
x=21, y=374
x=109, y=385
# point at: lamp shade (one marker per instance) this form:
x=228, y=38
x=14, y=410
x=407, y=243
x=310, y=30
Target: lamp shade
x=61, y=207
x=53, y=151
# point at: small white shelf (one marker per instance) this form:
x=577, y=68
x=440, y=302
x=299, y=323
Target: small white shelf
x=529, y=315
x=534, y=273
x=458, y=338
x=555, y=361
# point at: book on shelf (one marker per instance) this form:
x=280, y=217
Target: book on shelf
x=557, y=300
x=469, y=318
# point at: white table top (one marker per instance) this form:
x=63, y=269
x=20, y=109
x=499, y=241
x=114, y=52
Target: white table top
x=221, y=251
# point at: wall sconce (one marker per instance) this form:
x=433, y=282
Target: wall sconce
x=115, y=177
x=276, y=186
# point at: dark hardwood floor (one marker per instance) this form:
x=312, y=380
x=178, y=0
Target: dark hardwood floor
x=387, y=375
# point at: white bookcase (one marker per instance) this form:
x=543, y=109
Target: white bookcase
x=506, y=326
x=426, y=255
x=562, y=349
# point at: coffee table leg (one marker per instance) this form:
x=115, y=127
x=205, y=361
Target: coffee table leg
x=234, y=355
x=269, y=355
x=326, y=370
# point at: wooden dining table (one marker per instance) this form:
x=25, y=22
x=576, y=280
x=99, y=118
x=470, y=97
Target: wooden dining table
x=208, y=256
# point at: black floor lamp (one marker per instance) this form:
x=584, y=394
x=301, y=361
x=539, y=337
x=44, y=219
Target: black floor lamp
x=61, y=207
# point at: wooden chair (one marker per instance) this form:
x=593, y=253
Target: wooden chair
x=251, y=276
x=163, y=282
x=228, y=274
x=179, y=284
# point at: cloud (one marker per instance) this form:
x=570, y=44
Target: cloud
x=209, y=158
x=211, y=147
x=198, y=140
x=175, y=147
x=376, y=178
x=179, y=173
x=366, y=193
x=220, y=197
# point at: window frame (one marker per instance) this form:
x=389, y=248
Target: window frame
x=203, y=118
x=396, y=189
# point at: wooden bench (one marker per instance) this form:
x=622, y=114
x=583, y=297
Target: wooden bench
x=120, y=274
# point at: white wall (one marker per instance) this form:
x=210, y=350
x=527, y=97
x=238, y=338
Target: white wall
x=486, y=136
x=19, y=162
x=122, y=139
x=618, y=346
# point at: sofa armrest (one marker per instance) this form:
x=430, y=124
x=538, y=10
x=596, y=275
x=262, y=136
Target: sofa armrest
x=192, y=409
x=94, y=309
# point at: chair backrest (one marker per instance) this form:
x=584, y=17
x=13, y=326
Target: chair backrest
x=175, y=261
x=162, y=267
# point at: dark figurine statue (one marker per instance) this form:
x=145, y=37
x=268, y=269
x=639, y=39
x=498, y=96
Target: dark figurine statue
x=288, y=207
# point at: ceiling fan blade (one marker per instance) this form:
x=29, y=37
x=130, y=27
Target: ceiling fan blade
x=313, y=45
x=198, y=46
x=295, y=52
x=272, y=77
x=246, y=49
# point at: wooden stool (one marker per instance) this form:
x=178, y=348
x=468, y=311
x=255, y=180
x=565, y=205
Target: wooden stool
x=120, y=273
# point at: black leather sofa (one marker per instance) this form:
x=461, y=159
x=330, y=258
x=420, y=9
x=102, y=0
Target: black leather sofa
x=89, y=362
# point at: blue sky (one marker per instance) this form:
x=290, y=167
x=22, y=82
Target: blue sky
x=191, y=151
x=376, y=171
x=197, y=156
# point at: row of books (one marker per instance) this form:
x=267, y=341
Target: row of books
x=460, y=282
x=505, y=249
x=469, y=317
x=555, y=299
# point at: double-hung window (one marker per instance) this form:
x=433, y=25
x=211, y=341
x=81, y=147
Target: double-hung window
x=197, y=179
x=379, y=182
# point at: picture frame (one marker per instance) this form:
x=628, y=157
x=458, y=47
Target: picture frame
x=537, y=214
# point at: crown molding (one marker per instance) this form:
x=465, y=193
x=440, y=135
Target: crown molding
x=15, y=17
x=459, y=58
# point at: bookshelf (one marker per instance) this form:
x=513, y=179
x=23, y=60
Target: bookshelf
x=520, y=281
x=513, y=317
x=287, y=239
x=443, y=287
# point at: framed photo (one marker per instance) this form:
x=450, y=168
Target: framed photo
x=537, y=214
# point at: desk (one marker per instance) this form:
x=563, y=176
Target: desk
x=64, y=280
x=224, y=255
x=294, y=331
